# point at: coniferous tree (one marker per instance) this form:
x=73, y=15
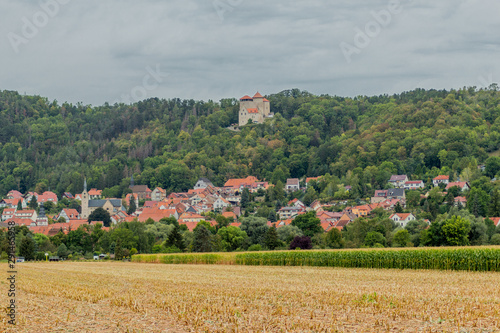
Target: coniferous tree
x=271, y=240
x=175, y=239
x=27, y=248
x=494, y=206
x=19, y=205
x=131, y=207
x=202, y=241
x=33, y=204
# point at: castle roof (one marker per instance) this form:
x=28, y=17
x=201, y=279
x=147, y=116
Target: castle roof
x=253, y=110
x=266, y=100
x=258, y=95
x=245, y=98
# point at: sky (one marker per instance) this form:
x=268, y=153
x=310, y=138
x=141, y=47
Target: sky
x=93, y=52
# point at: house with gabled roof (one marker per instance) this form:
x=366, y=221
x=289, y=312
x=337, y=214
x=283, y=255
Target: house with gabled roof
x=441, y=179
x=158, y=194
x=68, y=214
x=14, y=194
x=398, y=181
x=463, y=186
x=414, y=185
x=402, y=219
x=292, y=185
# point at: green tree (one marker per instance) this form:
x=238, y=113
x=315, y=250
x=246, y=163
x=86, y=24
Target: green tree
x=308, y=223
x=245, y=198
x=175, y=239
x=62, y=251
x=271, y=240
x=255, y=228
x=456, y=231
x=231, y=238
x=494, y=205
x=131, y=207
x=333, y=239
x=27, y=248
x=19, y=205
x=287, y=233
x=100, y=214
x=119, y=254
x=33, y=204
x=203, y=238
x=398, y=208
x=374, y=239
x=401, y=238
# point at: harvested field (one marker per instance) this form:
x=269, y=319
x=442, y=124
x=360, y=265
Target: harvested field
x=131, y=297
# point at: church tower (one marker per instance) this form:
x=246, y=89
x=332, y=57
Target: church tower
x=85, y=200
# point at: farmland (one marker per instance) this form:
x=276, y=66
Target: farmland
x=121, y=297
x=451, y=258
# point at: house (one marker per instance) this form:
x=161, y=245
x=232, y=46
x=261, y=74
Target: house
x=8, y=213
x=190, y=217
x=460, y=201
x=401, y=219
x=221, y=203
x=463, y=186
x=26, y=214
x=496, y=220
x=67, y=195
x=46, y=196
x=297, y=203
x=156, y=214
x=383, y=195
x=95, y=194
x=203, y=183
x=398, y=181
x=112, y=206
x=142, y=191
x=158, y=194
x=13, y=194
x=289, y=212
x=68, y=214
x=12, y=203
x=236, y=184
x=292, y=184
x=396, y=193
x=414, y=184
x=253, y=109
x=230, y=215
x=441, y=179
x=308, y=179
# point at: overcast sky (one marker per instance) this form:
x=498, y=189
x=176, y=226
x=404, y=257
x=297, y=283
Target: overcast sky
x=121, y=50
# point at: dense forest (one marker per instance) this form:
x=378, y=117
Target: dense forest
x=359, y=141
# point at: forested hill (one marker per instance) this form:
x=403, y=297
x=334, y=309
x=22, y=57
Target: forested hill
x=170, y=143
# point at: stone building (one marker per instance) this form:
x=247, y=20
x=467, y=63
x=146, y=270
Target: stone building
x=112, y=206
x=255, y=108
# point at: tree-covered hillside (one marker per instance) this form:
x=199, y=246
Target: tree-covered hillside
x=170, y=143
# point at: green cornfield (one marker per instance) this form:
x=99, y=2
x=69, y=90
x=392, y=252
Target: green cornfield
x=468, y=259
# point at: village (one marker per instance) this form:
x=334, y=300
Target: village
x=205, y=200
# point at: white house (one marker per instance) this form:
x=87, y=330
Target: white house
x=401, y=219
x=441, y=179
x=292, y=184
x=414, y=184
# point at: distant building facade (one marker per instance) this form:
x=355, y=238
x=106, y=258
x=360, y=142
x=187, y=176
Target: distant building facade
x=255, y=108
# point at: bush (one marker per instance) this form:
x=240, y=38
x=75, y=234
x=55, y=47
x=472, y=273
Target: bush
x=495, y=239
x=255, y=247
x=301, y=242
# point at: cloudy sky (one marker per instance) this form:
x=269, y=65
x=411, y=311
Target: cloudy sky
x=121, y=50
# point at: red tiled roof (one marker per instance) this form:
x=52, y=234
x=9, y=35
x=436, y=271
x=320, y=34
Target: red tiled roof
x=258, y=95
x=245, y=97
x=253, y=110
x=266, y=100
x=442, y=177
x=459, y=184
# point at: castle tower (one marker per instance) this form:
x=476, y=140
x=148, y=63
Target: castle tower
x=85, y=200
x=255, y=108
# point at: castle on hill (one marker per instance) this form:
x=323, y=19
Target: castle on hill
x=255, y=108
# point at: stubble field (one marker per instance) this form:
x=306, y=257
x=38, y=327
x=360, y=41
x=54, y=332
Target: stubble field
x=133, y=297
